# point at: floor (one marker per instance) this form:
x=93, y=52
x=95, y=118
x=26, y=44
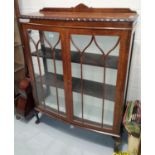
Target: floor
x=52, y=137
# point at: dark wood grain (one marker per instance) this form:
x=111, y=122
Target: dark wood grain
x=84, y=20
x=125, y=48
x=88, y=58
x=84, y=8
x=83, y=13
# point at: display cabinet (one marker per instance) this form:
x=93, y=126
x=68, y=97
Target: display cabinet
x=79, y=61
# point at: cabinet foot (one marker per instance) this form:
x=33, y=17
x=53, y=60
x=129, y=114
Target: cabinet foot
x=37, y=121
x=37, y=117
x=117, y=144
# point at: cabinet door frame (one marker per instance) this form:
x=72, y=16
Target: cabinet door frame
x=124, y=51
x=125, y=48
x=25, y=27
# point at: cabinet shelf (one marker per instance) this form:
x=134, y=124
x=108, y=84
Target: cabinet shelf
x=89, y=87
x=88, y=58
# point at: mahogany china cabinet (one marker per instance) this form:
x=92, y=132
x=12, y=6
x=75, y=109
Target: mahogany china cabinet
x=79, y=60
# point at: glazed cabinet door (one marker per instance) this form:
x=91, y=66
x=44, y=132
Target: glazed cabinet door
x=46, y=58
x=94, y=70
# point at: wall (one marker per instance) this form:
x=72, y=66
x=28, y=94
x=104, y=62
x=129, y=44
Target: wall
x=134, y=92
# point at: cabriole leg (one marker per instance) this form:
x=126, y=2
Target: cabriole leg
x=37, y=117
x=117, y=144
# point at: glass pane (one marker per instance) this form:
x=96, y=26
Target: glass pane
x=48, y=69
x=108, y=112
x=94, y=71
x=92, y=112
